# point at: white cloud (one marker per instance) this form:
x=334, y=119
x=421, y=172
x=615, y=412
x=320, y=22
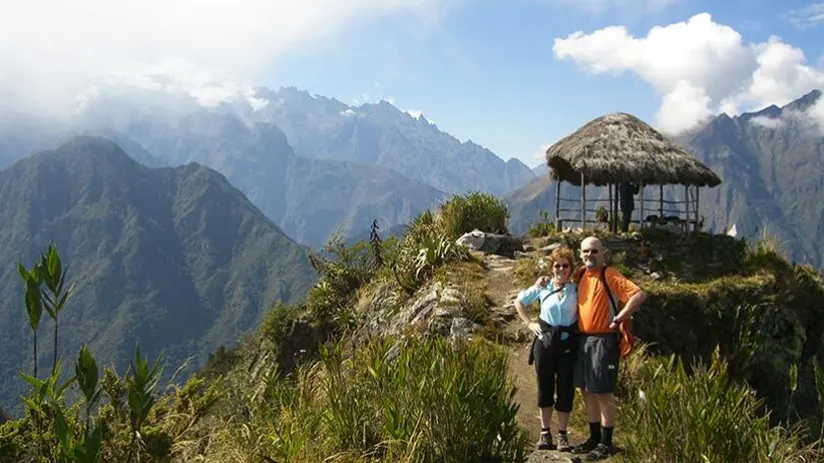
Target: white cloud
x=817, y=113
x=365, y=98
x=414, y=113
x=768, y=122
x=698, y=67
x=539, y=156
x=809, y=16
x=685, y=101
x=53, y=50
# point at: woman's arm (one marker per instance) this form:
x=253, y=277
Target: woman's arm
x=535, y=327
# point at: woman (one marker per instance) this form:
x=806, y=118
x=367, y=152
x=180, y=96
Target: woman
x=555, y=344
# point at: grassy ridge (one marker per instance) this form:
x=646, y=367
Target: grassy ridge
x=310, y=387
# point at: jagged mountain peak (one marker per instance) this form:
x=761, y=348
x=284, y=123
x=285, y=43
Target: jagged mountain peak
x=803, y=103
x=380, y=133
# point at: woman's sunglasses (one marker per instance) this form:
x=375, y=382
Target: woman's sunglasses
x=561, y=266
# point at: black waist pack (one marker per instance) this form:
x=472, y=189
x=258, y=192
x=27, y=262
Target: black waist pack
x=551, y=339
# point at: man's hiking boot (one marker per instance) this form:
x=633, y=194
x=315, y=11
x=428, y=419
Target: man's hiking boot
x=601, y=452
x=545, y=443
x=563, y=443
x=585, y=447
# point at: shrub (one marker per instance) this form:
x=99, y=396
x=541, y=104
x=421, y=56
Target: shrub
x=702, y=417
x=53, y=430
x=482, y=211
x=343, y=269
x=413, y=400
x=543, y=227
x=276, y=324
x=425, y=247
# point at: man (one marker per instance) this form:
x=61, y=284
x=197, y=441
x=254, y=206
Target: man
x=626, y=194
x=596, y=372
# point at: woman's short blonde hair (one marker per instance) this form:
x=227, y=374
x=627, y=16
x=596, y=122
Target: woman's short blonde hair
x=562, y=253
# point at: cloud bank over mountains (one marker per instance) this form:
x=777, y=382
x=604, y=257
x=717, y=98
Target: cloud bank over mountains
x=700, y=68
x=56, y=56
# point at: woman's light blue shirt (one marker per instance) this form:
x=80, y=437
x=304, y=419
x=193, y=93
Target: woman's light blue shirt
x=559, y=309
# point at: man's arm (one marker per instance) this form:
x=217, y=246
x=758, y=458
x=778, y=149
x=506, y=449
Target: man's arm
x=625, y=288
x=633, y=304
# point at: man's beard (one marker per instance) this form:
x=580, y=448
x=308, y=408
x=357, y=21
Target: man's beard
x=589, y=263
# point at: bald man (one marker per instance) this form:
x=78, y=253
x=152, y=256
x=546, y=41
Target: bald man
x=596, y=372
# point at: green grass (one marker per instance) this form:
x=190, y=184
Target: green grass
x=390, y=400
x=463, y=213
x=543, y=227
x=700, y=416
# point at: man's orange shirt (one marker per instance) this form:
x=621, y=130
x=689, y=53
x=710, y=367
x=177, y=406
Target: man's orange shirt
x=594, y=311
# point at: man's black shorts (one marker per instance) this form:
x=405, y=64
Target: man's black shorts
x=596, y=367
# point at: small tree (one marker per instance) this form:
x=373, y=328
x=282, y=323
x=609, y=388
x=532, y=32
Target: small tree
x=375, y=243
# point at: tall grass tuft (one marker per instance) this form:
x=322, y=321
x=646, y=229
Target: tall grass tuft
x=767, y=250
x=701, y=417
x=413, y=400
x=463, y=213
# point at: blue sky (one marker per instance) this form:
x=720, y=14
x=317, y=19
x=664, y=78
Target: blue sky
x=487, y=72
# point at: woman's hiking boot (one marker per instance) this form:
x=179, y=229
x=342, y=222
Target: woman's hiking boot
x=545, y=442
x=563, y=442
x=601, y=452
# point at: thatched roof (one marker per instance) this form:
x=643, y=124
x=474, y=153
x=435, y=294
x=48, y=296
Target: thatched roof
x=620, y=147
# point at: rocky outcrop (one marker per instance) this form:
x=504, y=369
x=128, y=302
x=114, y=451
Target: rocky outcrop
x=436, y=309
x=492, y=243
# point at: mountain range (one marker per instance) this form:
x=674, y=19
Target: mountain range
x=310, y=199
x=381, y=134
x=315, y=166
x=174, y=257
x=772, y=164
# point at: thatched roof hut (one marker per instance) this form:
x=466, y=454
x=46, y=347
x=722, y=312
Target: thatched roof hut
x=620, y=147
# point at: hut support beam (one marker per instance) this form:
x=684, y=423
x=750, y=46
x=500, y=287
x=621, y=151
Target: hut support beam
x=641, y=219
x=611, y=216
x=697, y=188
x=687, y=203
x=615, y=208
x=558, y=205
x=661, y=202
x=583, y=202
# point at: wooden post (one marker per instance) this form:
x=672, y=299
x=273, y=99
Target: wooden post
x=558, y=205
x=697, y=188
x=687, y=204
x=661, y=201
x=611, y=217
x=641, y=219
x=583, y=202
x=615, y=207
